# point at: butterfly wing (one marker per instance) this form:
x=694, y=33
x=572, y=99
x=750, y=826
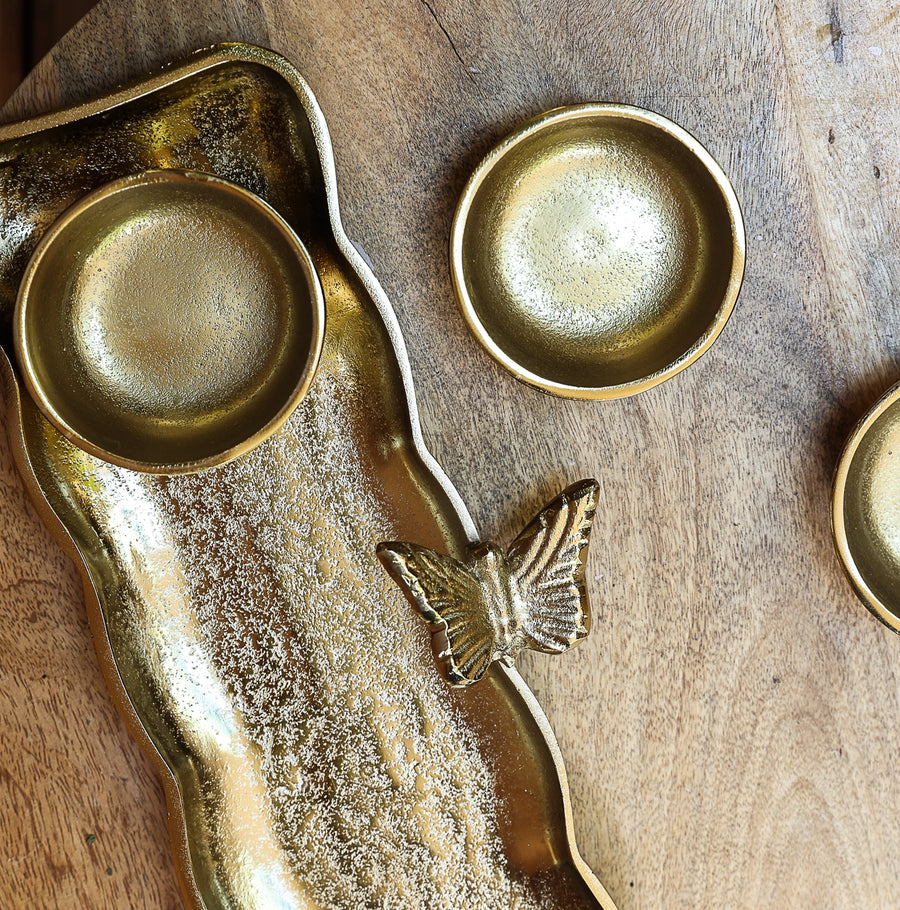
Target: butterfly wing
x=451, y=601
x=547, y=566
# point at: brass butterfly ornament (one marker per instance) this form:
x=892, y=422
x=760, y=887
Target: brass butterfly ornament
x=496, y=604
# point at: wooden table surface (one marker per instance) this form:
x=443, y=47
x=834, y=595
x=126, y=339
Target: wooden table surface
x=730, y=727
x=28, y=29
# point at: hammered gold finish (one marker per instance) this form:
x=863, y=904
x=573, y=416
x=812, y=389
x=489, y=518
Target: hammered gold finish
x=169, y=321
x=597, y=251
x=866, y=509
x=311, y=753
x=496, y=604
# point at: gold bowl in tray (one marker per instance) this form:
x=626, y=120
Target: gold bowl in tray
x=169, y=321
x=866, y=508
x=597, y=251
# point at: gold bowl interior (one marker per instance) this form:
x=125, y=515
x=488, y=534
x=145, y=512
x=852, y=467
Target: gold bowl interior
x=597, y=251
x=169, y=321
x=866, y=509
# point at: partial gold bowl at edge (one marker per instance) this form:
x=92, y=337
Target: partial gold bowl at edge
x=865, y=513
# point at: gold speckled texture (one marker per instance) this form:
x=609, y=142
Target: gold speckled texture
x=311, y=753
x=597, y=250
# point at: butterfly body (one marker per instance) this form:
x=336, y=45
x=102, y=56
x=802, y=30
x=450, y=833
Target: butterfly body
x=502, y=602
x=495, y=603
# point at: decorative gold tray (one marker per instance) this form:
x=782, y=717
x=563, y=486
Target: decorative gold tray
x=311, y=753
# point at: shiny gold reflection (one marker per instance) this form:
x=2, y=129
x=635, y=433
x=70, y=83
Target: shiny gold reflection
x=597, y=251
x=169, y=321
x=866, y=509
x=312, y=756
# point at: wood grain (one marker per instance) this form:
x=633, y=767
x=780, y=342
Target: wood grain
x=12, y=47
x=28, y=30
x=730, y=726
x=48, y=21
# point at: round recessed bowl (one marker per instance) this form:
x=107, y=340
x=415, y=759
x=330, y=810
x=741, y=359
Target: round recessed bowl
x=597, y=251
x=169, y=321
x=865, y=512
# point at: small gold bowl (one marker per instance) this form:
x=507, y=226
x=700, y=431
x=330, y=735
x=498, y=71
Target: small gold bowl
x=865, y=509
x=169, y=321
x=597, y=251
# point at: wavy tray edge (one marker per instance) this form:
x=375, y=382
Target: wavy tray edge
x=201, y=60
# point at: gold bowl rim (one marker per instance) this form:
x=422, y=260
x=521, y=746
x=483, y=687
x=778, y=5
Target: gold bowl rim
x=842, y=543
x=72, y=213
x=524, y=132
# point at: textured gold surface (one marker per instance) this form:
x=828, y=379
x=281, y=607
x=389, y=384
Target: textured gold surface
x=496, y=604
x=169, y=321
x=597, y=251
x=311, y=753
x=866, y=509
